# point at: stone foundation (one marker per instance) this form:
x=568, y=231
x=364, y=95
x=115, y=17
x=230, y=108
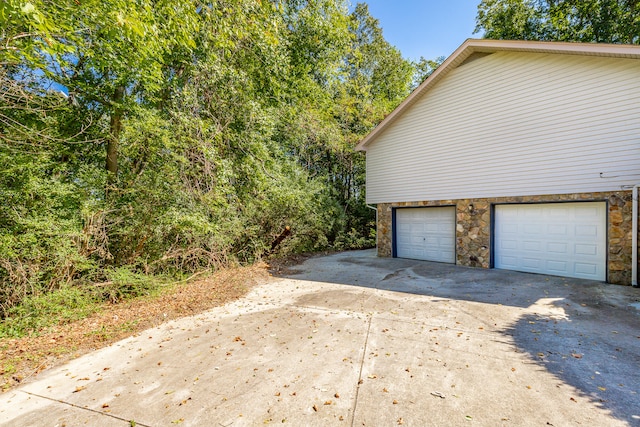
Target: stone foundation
x=473, y=228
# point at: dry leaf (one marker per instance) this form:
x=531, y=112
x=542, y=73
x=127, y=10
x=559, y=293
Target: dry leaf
x=577, y=355
x=79, y=388
x=328, y=402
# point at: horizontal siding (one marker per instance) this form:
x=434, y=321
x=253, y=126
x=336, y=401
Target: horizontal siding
x=512, y=124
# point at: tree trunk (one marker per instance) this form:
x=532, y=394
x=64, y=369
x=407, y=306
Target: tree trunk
x=114, y=134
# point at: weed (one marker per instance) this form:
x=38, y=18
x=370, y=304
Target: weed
x=125, y=284
x=106, y=333
x=37, y=313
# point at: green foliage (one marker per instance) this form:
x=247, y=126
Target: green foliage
x=601, y=21
x=36, y=313
x=123, y=283
x=219, y=123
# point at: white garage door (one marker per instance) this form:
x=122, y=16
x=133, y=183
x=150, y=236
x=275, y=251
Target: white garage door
x=561, y=239
x=426, y=233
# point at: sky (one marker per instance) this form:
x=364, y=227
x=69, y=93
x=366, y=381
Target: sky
x=429, y=28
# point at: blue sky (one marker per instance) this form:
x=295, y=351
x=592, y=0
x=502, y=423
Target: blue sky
x=429, y=28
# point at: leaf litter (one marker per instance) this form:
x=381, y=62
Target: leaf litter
x=118, y=321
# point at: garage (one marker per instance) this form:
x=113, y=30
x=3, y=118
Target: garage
x=560, y=239
x=426, y=233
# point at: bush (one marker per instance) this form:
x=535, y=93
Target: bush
x=35, y=314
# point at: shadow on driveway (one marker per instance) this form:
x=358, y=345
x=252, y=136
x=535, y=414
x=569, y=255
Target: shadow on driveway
x=585, y=333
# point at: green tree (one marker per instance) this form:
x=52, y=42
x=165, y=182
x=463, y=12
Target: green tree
x=152, y=138
x=602, y=21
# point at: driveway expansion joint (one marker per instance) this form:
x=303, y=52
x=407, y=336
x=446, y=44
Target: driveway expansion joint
x=84, y=408
x=364, y=354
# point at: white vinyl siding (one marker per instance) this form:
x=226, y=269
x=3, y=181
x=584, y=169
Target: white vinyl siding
x=562, y=239
x=426, y=233
x=514, y=124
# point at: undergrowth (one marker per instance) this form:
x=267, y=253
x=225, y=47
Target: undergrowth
x=36, y=314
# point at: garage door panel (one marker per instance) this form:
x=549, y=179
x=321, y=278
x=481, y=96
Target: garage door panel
x=587, y=231
x=567, y=239
x=557, y=213
x=586, y=250
x=533, y=229
x=557, y=248
x=588, y=269
x=533, y=263
x=558, y=230
x=557, y=267
x=532, y=246
x=426, y=233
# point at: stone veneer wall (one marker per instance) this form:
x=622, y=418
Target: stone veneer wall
x=473, y=228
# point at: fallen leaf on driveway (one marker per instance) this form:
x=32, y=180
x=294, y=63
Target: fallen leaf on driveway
x=577, y=355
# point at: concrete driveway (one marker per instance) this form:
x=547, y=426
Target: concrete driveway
x=355, y=340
